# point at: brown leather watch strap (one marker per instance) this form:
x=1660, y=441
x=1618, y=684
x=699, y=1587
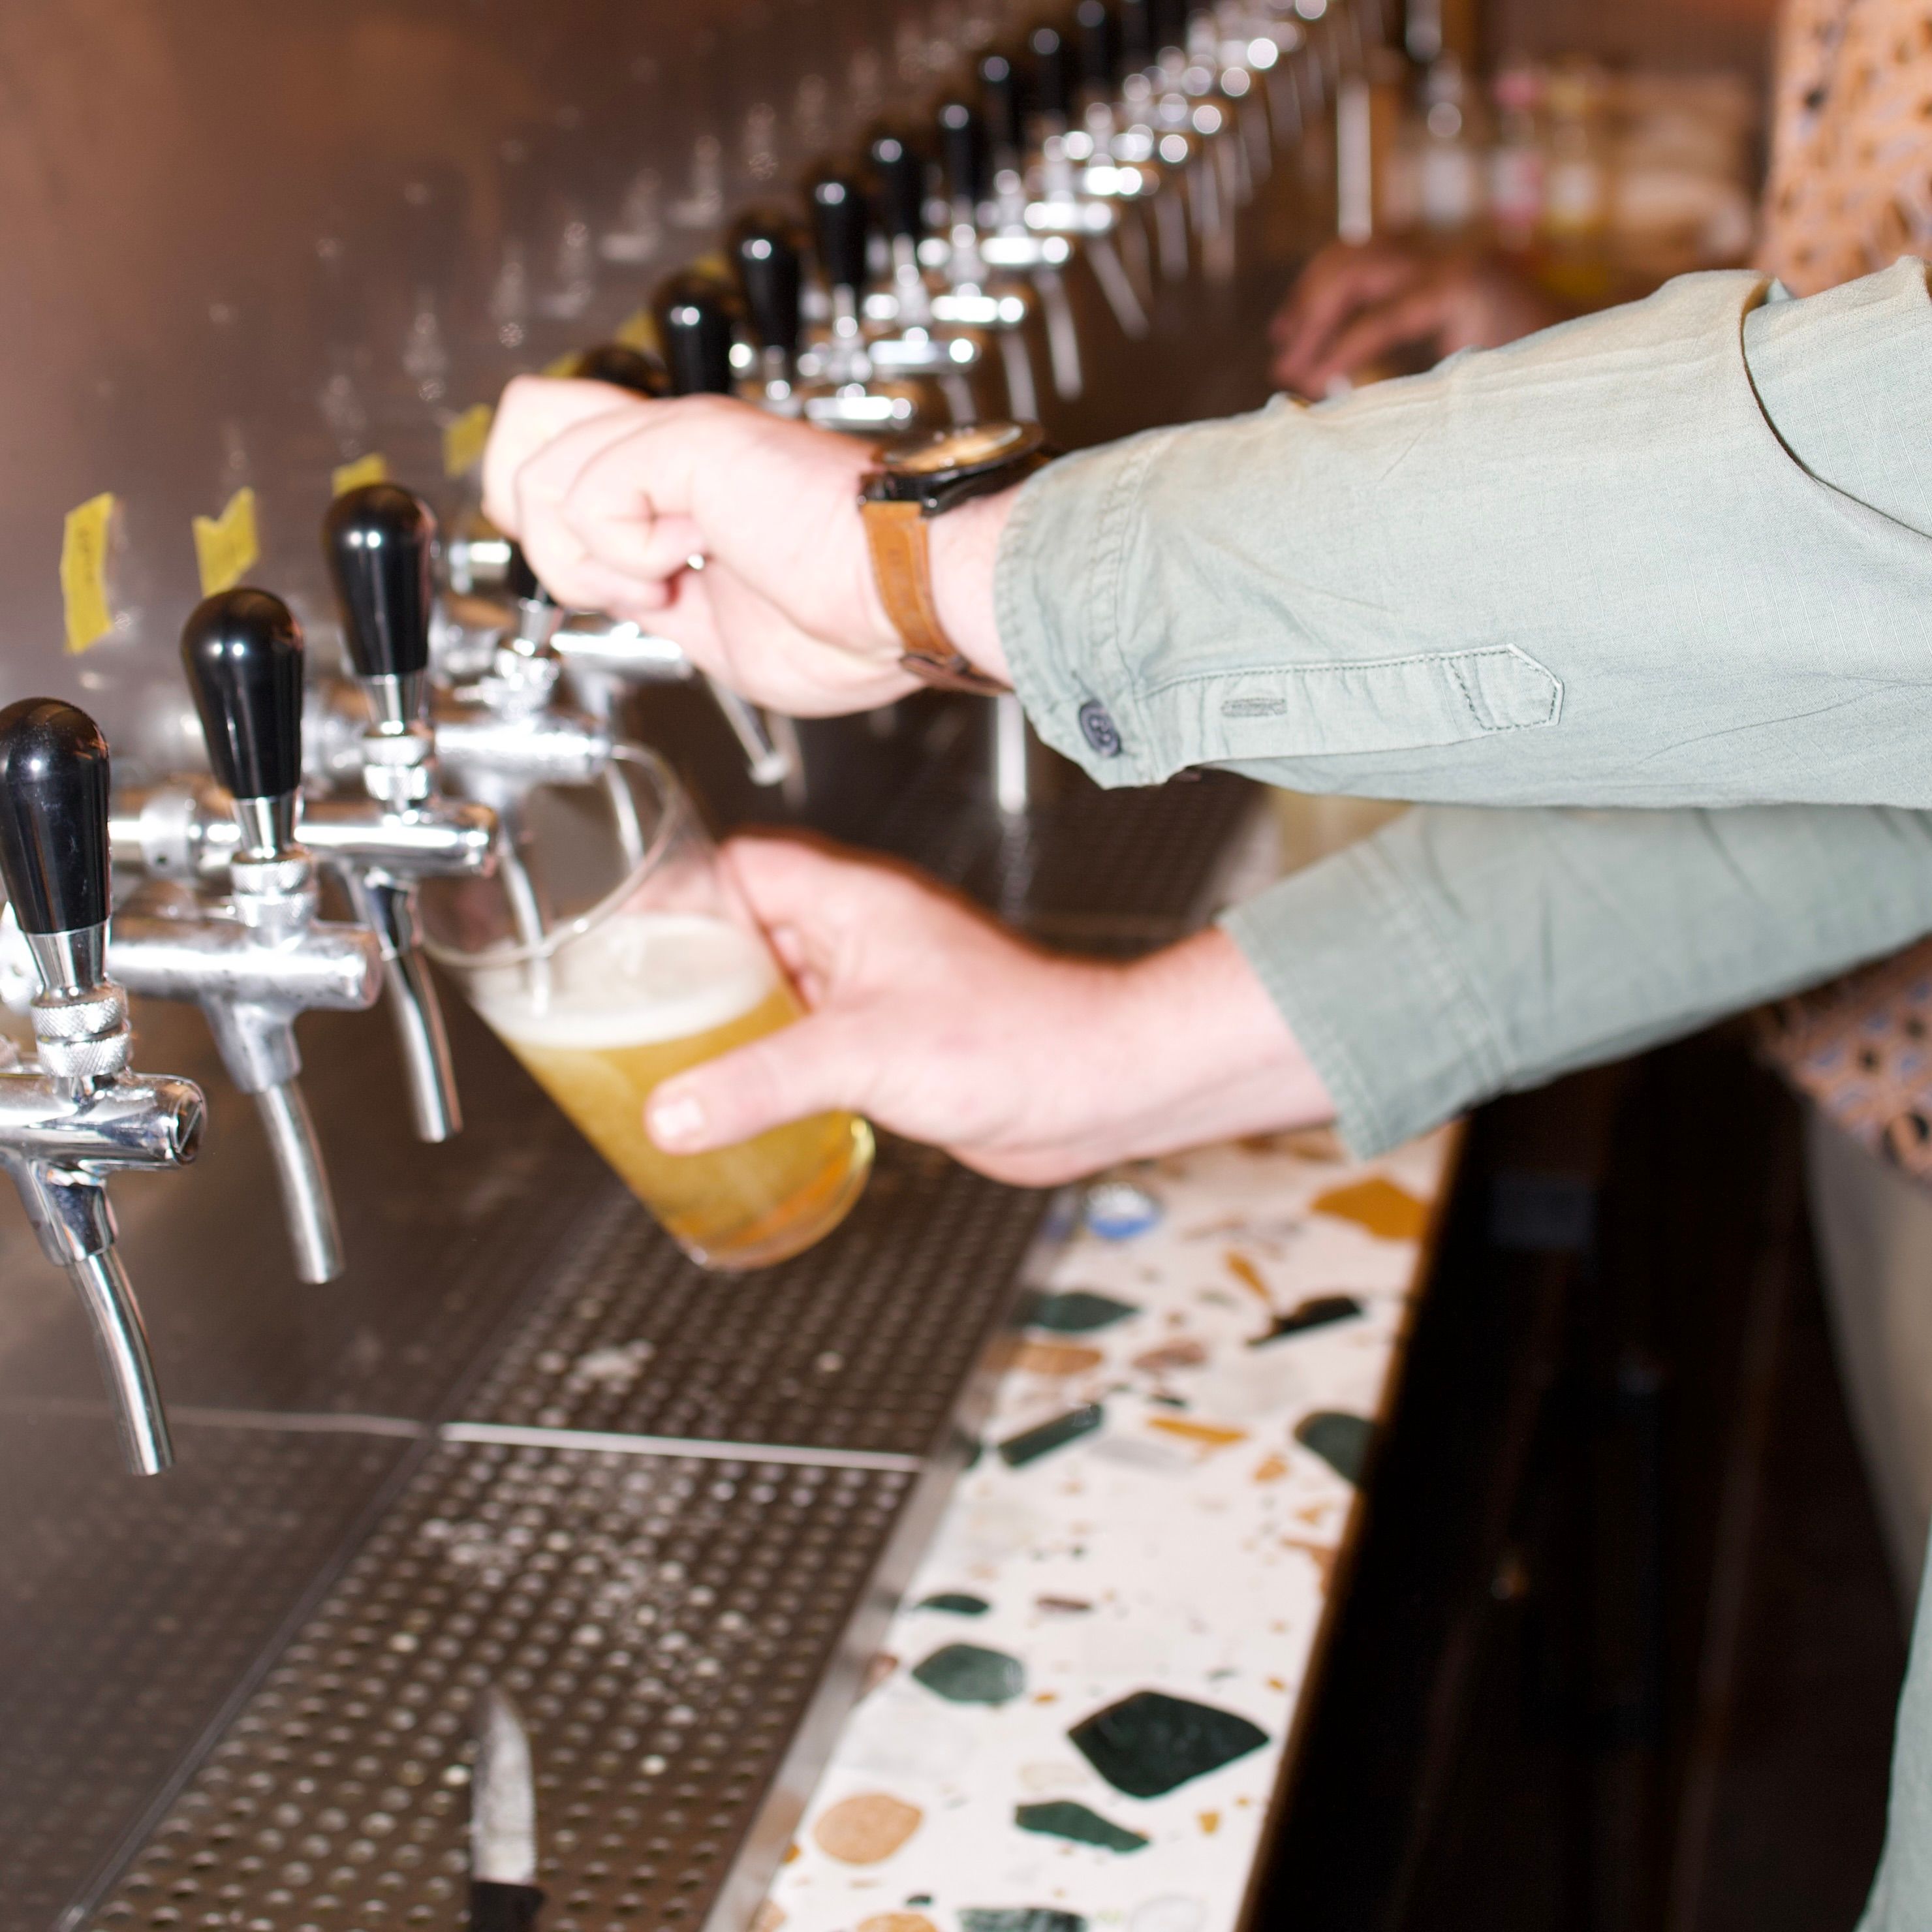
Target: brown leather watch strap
x=902, y=567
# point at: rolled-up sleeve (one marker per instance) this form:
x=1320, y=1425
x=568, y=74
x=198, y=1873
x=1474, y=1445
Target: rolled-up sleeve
x=1460, y=953
x=1601, y=566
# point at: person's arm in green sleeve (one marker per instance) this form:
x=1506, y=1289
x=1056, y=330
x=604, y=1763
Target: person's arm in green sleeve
x=1676, y=553
x=1458, y=954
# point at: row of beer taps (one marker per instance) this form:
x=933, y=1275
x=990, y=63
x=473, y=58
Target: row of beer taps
x=1111, y=138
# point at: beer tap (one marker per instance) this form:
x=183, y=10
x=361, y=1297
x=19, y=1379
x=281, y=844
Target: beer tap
x=971, y=298
x=846, y=393
x=1010, y=240
x=65, y=1127
x=377, y=541
x=772, y=279
x=916, y=344
x=260, y=957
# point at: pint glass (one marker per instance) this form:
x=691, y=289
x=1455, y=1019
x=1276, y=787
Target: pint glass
x=611, y=950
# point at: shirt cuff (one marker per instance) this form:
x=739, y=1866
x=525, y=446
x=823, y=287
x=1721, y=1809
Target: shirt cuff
x=1056, y=593
x=1401, y=1046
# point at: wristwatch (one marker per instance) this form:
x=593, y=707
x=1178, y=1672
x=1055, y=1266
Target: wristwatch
x=926, y=478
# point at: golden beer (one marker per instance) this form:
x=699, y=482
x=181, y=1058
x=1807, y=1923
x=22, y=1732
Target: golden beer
x=638, y=997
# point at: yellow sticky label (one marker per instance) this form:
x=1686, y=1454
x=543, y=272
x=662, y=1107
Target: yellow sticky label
x=640, y=331
x=463, y=440
x=371, y=469
x=227, y=547
x=563, y=366
x=83, y=571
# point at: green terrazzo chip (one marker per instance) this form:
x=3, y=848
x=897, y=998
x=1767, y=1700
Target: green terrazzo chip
x=1077, y=1311
x=957, y=1601
x=1342, y=1441
x=1063, y=1819
x=1018, y=1450
x=963, y=1673
x=1147, y=1743
x=1019, y=1918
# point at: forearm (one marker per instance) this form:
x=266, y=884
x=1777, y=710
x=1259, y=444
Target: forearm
x=1582, y=569
x=1193, y=1049
x=1459, y=953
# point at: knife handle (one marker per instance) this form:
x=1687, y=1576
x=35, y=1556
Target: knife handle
x=495, y=1906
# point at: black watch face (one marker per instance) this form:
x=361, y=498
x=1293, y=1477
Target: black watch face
x=947, y=452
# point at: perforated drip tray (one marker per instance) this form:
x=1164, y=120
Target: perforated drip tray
x=670, y=1515
x=666, y=1625
x=864, y=1343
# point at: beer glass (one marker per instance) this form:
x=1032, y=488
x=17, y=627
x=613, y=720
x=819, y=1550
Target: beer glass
x=611, y=950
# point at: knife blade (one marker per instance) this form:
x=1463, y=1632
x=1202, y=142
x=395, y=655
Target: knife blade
x=503, y=1892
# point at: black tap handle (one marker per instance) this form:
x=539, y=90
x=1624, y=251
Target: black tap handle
x=695, y=319
x=54, y=786
x=1137, y=48
x=840, y=221
x=962, y=147
x=243, y=653
x=1169, y=20
x=1052, y=72
x=900, y=169
x=1004, y=107
x=377, y=542
x=770, y=273
x=1099, y=31
x=521, y=581
x=624, y=368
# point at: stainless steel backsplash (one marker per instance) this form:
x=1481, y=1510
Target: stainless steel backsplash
x=246, y=244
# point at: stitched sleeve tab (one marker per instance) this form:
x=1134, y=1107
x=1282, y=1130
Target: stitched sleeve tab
x=1294, y=711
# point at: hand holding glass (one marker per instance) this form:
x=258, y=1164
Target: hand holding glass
x=611, y=951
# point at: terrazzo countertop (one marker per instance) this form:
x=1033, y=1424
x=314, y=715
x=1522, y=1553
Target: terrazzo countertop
x=1082, y=1708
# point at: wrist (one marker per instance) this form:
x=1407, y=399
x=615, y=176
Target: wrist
x=1216, y=1058
x=965, y=548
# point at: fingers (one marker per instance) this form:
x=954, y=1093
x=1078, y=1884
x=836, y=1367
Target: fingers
x=1340, y=282
x=541, y=494
x=816, y=1066
x=1420, y=316
x=534, y=410
x=628, y=502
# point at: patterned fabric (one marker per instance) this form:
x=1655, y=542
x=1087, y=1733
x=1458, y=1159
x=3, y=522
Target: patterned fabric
x=1862, y=1048
x=1850, y=191
x=1850, y=188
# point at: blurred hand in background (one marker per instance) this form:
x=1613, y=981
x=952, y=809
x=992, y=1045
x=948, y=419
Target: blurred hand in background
x=1358, y=304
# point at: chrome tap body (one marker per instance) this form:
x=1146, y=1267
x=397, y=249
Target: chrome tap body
x=378, y=540
x=255, y=959
x=67, y=1124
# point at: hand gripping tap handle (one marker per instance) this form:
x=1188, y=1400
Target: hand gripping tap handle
x=771, y=275
x=242, y=650
x=377, y=542
x=80, y=1113
x=694, y=318
x=841, y=225
x=621, y=367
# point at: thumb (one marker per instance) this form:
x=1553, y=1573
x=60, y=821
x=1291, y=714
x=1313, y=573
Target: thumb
x=813, y=1066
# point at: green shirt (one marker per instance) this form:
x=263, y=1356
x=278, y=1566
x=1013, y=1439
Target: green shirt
x=1677, y=555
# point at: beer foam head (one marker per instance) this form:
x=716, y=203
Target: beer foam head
x=636, y=978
